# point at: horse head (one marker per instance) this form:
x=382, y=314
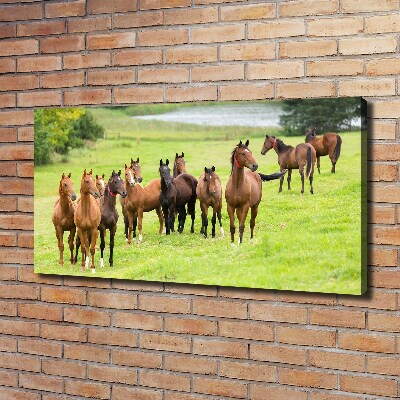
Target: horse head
x=243, y=157
x=66, y=187
x=210, y=178
x=311, y=134
x=165, y=173
x=100, y=184
x=269, y=143
x=116, y=185
x=137, y=170
x=88, y=184
x=180, y=163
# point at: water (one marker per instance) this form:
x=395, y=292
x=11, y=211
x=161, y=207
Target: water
x=242, y=114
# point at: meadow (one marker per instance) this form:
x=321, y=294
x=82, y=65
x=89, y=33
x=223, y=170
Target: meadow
x=302, y=243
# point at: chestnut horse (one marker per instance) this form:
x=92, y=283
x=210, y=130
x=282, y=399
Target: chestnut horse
x=140, y=199
x=289, y=157
x=179, y=164
x=243, y=190
x=87, y=218
x=328, y=144
x=175, y=194
x=63, y=216
x=209, y=193
x=100, y=184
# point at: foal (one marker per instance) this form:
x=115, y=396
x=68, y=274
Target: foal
x=87, y=218
x=179, y=164
x=209, y=193
x=63, y=216
x=292, y=158
x=328, y=144
x=100, y=184
x=175, y=194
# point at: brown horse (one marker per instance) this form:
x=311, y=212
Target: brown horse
x=63, y=215
x=100, y=184
x=140, y=199
x=328, y=144
x=243, y=190
x=179, y=165
x=209, y=193
x=87, y=218
x=289, y=157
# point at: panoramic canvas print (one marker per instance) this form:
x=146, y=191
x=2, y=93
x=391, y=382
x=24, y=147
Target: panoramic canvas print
x=263, y=194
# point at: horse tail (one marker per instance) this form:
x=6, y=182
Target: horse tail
x=338, y=147
x=271, y=177
x=309, y=162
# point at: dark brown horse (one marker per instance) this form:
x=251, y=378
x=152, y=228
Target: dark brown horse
x=63, y=215
x=175, y=194
x=328, y=144
x=87, y=218
x=289, y=157
x=209, y=193
x=140, y=199
x=243, y=190
x=179, y=164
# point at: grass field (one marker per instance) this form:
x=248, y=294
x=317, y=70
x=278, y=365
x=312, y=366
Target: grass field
x=303, y=243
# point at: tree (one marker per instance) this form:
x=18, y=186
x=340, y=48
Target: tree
x=324, y=114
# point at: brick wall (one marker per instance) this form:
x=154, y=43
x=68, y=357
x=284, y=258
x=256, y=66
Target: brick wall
x=70, y=338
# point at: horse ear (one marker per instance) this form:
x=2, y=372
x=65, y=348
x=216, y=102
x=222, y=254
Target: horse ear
x=69, y=175
x=91, y=171
x=160, y=162
x=63, y=176
x=84, y=172
x=183, y=154
x=97, y=177
x=176, y=156
x=126, y=166
x=137, y=160
x=119, y=172
x=240, y=143
x=247, y=143
x=205, y=169
x=103, y=176
x=213, y=168
x=132, y=160
x=167, y=162
x=266, y=136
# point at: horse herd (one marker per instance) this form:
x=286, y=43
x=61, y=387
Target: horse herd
x=175, y=195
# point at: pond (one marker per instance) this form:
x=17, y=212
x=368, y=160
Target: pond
x=262, y=114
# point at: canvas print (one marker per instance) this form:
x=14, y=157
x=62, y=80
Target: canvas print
x=263, y=194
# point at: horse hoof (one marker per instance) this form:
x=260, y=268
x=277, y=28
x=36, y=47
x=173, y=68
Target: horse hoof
x=101, y=262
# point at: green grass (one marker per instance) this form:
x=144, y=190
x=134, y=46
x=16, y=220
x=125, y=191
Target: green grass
x=303, y=243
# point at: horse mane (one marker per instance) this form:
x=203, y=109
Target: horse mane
x=282, y=146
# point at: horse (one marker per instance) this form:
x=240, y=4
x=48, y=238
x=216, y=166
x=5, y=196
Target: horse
x=328, y=144
x=63, y=216
x=289, y=157
x=175, y=194
x=179, y=165
x=209, y=193
x=87, y=218
x=109, y=214
x=140, y=199
x=100, y=184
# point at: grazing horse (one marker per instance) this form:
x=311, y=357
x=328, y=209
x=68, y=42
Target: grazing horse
x=63, y=215
x=179, y=164
x=209, y=193
x=140, y=199
x=87, y=218
x=289, y=157
x=328, y=144
x=175, y=194
x=109, y=214
x=100, y=184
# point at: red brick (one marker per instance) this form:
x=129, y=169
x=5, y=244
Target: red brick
x=86, y=353
x=16, y=257
x=87, y=96
x=7, y=100
x=81, y=281
x=63, y=332
x=190, y=326
x=163, y=37
x=137, y=358
x=7, y=168
x=138, y=321
x=368, y=385
x=383, y=257
x=165, y=342
x=266, y=312
x=70, y=9
x=89, y=24
x=14, y=82
x=220, y=387
x=258, y=392
x=106, y=7
x=382, y=173
x=224, y=72
x=8, y=273
x=62, y=44
x=8, y=344
x=163, y=75
x=16, y=186
x=25, y=134
x=87, y=389
x=188, y=55
x=39, y=99
x=64, y=79
x=7, y=31
x=87, y=317
x=384, y=322
x=307, y=337
x=278, y=354
x=27, y=292
x=247, y=51
x=19, y=362
x=218, y=308
x=334, y=360
x=25, y=170
x=112, y=374
x=8, y=135
x=196, y=365
x=366, y=342
x=63, y=295
x=115, y=77
x=384, y=365
x=64, y=368
x=246, y=92
x=111, y=40
x=223, y=348
x=25, y=204
x=387, y=235
x=296, y=377
x=340, y=318
x=156, y=4
x=39, y=347
x=138, y=95
x=197, y=93
x=113, y=300
x=8, y=239
x=123, y=393
x=113, y=337
x=41, y=63
x=137, y=57
x=13, y=394
x=89, y=60
x=8, y=378
x=385, y=109
x=16, y=118
x=138, y=20
x=19, y=328
x=8, y=203
x=42, y=28
x=163, y=380
x=191, y=16
x=37, y=382
x=247, y=371
x=21, y=12
x=7, y=65
x=8, y=308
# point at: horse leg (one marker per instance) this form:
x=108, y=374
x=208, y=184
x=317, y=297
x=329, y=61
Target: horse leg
x=171, y=215
x=192, y=213
x=231, y=213
x=135, y=224
x=301, y=171
x=204, y=218
x=140, y=224
x=82, y=238
x=60, y=239
x=130, y=224
x=311, y=180
x=221, y=230
x=102, y=246
x=281, y=182
x=160, y=219
x=112, y=235
x=242, y=215
x=253, y=216
x=166, y=219
x=93, y=241
x=71, y=244
x=213, y=221
x=126, y=223
x=181, y=218
x=77, y=245
x=333, y=167
x=318, y=164
x=289, y=178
